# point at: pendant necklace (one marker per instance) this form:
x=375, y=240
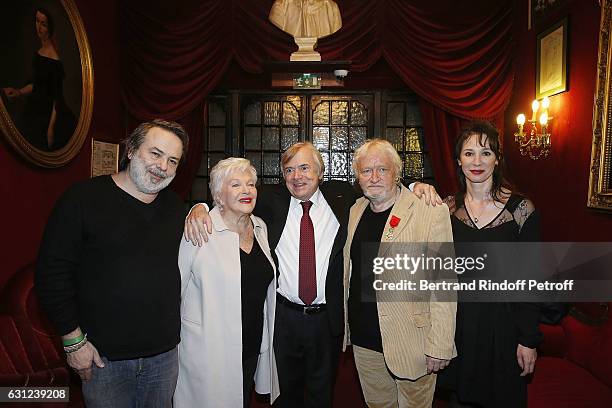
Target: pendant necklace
x=476, y=217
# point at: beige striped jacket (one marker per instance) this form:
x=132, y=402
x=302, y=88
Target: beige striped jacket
x=410, y=329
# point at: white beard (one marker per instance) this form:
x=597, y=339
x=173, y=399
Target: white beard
x=139, y=173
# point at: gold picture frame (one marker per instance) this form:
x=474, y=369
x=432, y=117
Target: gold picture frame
x=104, y=158
x=77, y=69
x=551, y=61
x=600, y=176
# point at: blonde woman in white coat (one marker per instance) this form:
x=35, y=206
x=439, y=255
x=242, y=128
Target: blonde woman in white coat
x=228, y=298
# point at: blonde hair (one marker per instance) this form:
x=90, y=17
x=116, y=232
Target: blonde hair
x=294, y=149
x=382, y=145
x=223, y=169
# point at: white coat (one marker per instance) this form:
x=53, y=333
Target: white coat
x=210, y=352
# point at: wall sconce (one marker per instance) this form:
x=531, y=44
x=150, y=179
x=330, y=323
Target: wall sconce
x=536, y=142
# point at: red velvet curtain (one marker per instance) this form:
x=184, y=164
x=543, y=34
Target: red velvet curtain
x=442, y=129
x=193, y=123
x=456, y=55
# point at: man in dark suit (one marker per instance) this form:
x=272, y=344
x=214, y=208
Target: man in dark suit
x=309, y=327
x=307, y=228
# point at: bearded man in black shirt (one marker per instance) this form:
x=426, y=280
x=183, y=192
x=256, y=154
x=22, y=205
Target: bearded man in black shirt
x=108, y=277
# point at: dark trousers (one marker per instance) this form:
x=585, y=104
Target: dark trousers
x=307, y=358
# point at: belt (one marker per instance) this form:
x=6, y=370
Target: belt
x=305, y=309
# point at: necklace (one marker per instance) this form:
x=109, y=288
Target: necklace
x=476, y=217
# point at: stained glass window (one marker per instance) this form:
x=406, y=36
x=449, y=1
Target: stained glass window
x=268, y=124
x=339, y=126
x=404, y=130
x=271, y=126
x=215, y=133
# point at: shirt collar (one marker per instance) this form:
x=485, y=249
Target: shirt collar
x=315, y=199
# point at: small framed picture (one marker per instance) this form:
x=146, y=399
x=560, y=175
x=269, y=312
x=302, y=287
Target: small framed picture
x=104, y=158
x=551, y=61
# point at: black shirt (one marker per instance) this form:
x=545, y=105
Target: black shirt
x=108, y=263
x=256, y=275
x=363, y=312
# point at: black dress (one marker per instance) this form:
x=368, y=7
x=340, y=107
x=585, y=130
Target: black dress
x=256, y=275
x=47, y=90
x=486, y=372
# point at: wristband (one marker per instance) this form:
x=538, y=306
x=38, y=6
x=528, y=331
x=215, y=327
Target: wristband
x=77, y=346
x=73, y=341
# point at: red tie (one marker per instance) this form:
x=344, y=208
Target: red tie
x=308, y=263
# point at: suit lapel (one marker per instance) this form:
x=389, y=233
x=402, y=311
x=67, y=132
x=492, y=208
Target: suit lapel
x=355, y=216
x=338, y=204
x=282, y=199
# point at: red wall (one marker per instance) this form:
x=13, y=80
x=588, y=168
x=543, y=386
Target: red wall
x=29, y=192
x=558, y=184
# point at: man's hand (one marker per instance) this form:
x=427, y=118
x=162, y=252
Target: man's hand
x=198, y=225
x=427, y=191
x=82, y=359
x=526, y=359
x=435, y=364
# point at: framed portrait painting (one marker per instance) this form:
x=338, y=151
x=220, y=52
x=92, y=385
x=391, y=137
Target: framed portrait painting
x=600, y=175
x=46, y=80
x=551, y=61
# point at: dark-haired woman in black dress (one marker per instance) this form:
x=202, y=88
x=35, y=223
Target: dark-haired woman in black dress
x=496, y=342
x=47, y=121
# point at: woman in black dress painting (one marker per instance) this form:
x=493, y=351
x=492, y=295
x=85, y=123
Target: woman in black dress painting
x=47, y=122
x=496, y=342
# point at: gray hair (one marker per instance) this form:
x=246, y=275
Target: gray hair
x=223, y=169
x=136, y=138
x=381, y=145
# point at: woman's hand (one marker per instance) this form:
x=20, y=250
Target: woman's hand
x=11, y=92
x=526, y=359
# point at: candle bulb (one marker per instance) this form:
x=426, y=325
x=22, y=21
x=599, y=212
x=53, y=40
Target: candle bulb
x=545, y=105
x=544, y=119
x=535, y=105
x=520, y=119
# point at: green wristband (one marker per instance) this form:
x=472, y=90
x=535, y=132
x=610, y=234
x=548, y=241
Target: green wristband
x=72, y=342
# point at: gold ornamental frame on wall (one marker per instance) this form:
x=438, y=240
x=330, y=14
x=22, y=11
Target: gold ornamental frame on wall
x=600, y=177
x=65, y=153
